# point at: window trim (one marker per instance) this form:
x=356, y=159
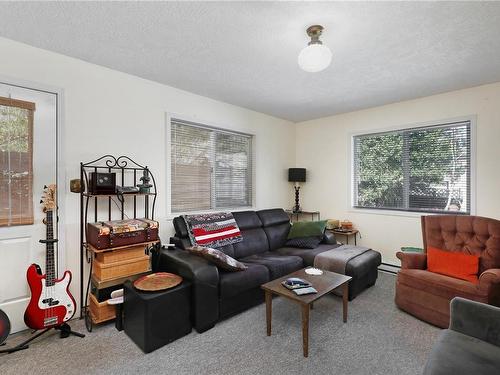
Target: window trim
x=350, y=199
x=169, y=116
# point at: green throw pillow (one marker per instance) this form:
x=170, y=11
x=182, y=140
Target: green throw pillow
x=307, y=229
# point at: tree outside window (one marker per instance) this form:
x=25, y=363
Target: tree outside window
x=421, y=169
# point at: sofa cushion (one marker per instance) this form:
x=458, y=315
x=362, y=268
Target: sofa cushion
x=273, y=216
x=307, y=255
x=456, y=353
x=254, y=242
x=307, y=228
x=304, y=242
x=247, y=219
x=276, y=223
x=227, y=249
x=453, y=263
x=278, y=265
x=440, y=285
x=277, y=234
x=234, y=283
x=217, y=257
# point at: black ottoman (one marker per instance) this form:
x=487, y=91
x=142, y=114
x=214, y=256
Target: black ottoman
x=153, y=319
x=364, y=271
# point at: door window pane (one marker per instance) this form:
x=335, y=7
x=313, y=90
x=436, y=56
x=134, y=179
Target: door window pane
x=16, y=162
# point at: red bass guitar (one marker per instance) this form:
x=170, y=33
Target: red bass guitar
x=51, y=303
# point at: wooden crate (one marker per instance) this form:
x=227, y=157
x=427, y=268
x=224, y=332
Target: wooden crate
x=121, y=254
x=101, y=311
x=109, y=271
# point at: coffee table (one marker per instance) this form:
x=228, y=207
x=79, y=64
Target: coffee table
x=324, y=284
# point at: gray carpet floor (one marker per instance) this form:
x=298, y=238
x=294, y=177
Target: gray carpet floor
x=377, y=339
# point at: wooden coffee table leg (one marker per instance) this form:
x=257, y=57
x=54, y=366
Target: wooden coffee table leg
x=269, y=311
x=305, y=329
x=345, y=300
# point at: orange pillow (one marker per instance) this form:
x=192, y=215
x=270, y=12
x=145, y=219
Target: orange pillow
x=452, y=263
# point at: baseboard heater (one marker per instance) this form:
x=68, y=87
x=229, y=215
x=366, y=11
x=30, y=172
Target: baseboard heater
x=390, y=268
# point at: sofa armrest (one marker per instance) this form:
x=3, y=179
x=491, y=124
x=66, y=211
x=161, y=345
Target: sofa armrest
x=489, y=284
x=475, y=319
x=412, y=260
x=205, y=279
x=177, y=242
x=329, y=238
x=181, y=243
x=489, y=278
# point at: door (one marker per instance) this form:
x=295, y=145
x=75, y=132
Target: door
x=28, y=152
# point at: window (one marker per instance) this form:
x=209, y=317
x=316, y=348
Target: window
x=16, y=162
x=424, y=169
x=210, y=168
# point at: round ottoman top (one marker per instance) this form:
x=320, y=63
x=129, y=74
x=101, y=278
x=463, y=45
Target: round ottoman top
x=157, y=281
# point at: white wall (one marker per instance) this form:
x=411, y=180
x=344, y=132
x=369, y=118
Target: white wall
x=108, y=112
x=323, y=147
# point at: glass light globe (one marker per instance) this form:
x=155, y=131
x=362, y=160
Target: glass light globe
x=315, y=58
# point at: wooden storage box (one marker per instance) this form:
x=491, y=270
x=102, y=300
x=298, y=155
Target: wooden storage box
x=101, y=311
x=109, y=271
x=121, y=254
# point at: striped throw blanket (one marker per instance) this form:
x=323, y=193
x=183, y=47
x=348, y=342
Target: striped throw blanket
x=212, y=230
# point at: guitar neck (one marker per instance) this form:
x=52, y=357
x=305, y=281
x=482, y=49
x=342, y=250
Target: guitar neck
x=50, y=268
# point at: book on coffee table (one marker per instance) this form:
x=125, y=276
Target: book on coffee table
x=295, y=283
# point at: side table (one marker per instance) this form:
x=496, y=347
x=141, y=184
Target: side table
x=351, y=233
x=411, y=249
x=154, y=319
x=297, y=214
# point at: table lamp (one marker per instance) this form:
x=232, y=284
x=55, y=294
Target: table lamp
x=297, y=175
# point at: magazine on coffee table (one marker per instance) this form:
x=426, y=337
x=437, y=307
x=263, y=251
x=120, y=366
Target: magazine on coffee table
x=304, y=291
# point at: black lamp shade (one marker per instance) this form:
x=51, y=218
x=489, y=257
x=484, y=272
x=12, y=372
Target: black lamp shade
x=296, y=174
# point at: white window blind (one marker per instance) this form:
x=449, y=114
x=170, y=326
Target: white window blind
x=424, y=169
x=210, y=168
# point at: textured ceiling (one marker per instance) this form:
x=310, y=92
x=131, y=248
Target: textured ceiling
x=245, y=53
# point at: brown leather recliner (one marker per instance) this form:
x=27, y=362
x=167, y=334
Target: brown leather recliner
x=427, y=295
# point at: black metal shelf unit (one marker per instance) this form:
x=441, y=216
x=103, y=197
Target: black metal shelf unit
x=128, y=172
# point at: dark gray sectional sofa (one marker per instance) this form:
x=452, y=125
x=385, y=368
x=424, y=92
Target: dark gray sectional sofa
x=218, y=294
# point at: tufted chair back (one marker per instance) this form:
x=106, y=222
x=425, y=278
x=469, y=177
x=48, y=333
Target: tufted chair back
x=473, y=235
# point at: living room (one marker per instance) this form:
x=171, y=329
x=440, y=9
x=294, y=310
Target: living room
x=156, y=82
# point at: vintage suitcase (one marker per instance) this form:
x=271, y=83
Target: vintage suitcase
x=109, y=234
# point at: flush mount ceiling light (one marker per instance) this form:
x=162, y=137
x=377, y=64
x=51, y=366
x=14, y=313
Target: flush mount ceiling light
x=316, y=56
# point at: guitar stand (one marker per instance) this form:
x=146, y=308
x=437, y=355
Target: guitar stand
x=64, y=331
